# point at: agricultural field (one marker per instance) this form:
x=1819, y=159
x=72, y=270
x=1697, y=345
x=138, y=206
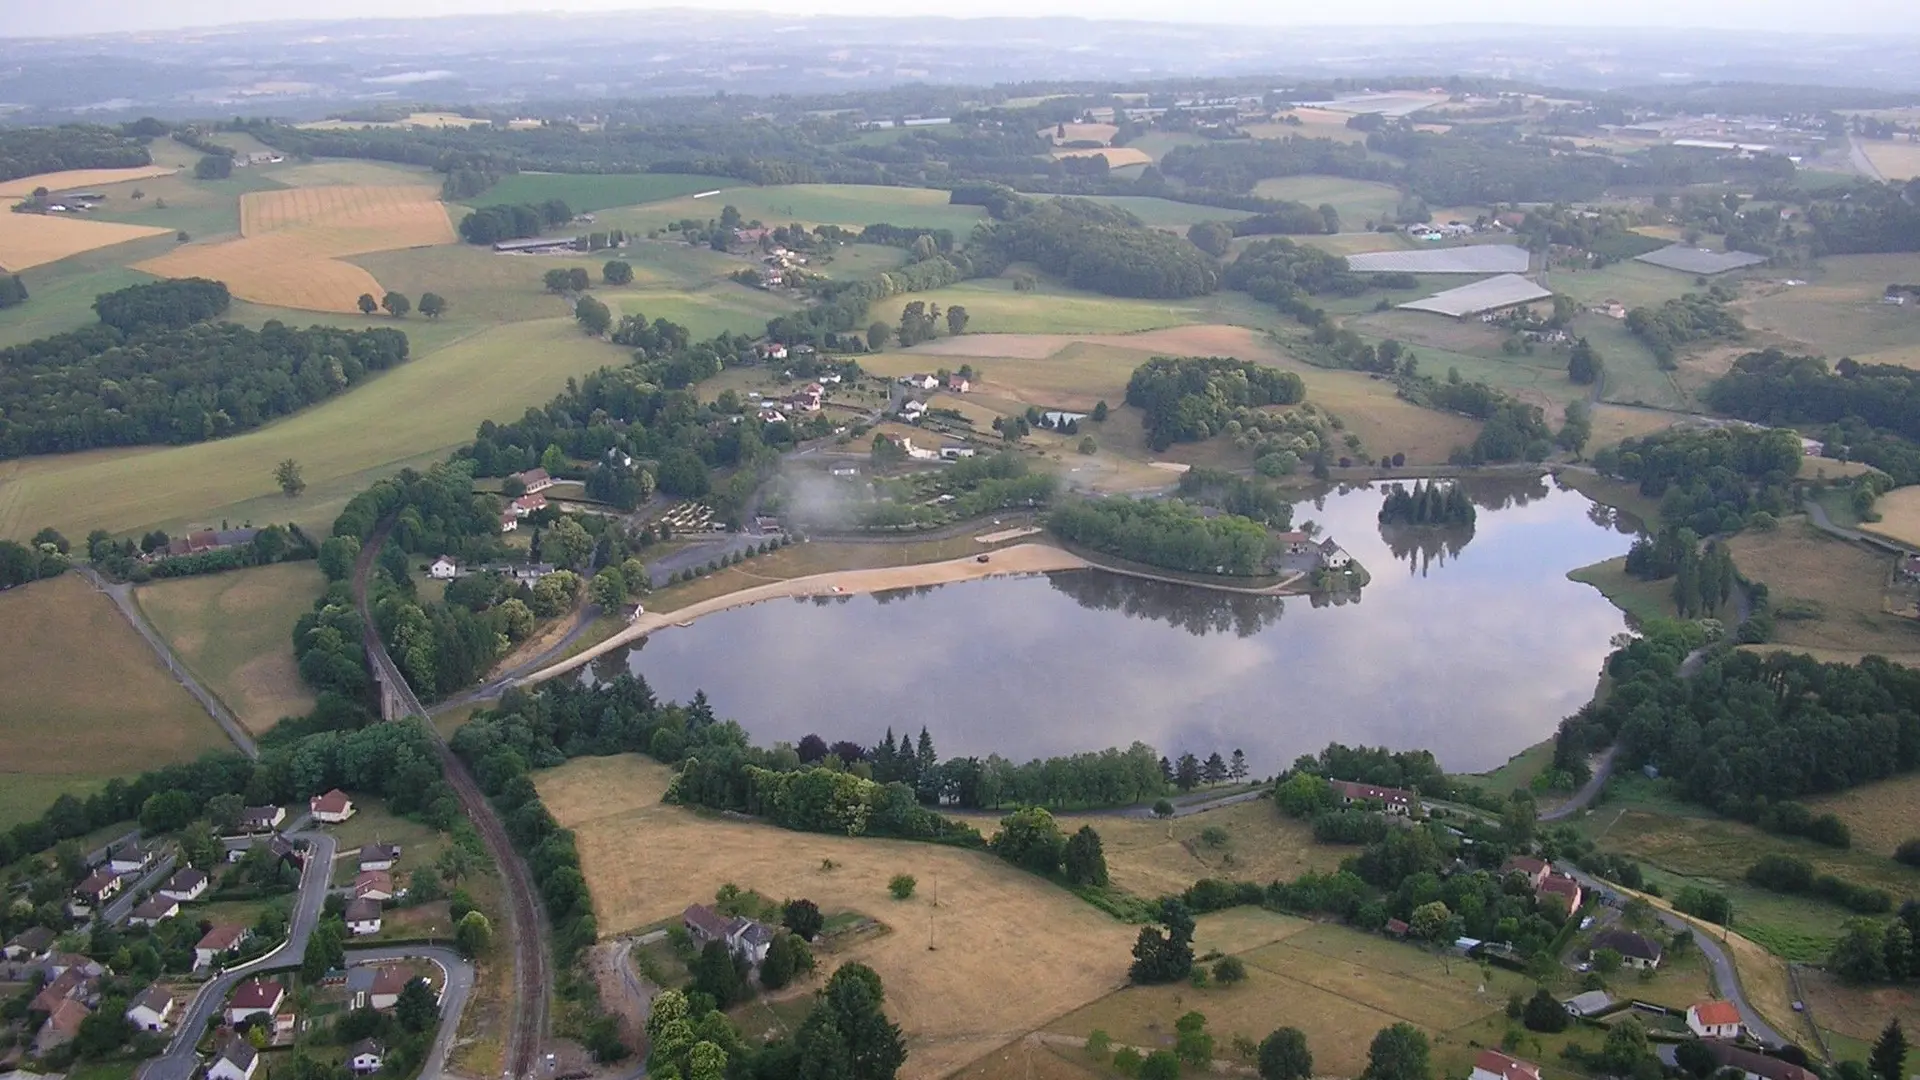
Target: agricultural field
x=78, y=180
x=205, y=210
x=590, y=193
x=1895, y=160
x=1899, y=512
x=1612, y=423
x=1881, y=816
x=1358, y=201
x=1827, y=593
x=416, y=119
x=1155, y=144
x=1314, y=124
x=1154, y=858
x=86, y=698
x=1633, y=376
x=338, y=171
x=1337, y=985
x=1839, y=313
x=1473, y=348
x=995, y=307
x=1118, y=157
x=1635, y=284
x=1011, y=951
x=30, y=240
x=234, y=631
x=293, y=240
x=850, y=206
x=1344, y=243
x=1068, y=133
x=1167, y=214
x=403, y=417
x=705, y=311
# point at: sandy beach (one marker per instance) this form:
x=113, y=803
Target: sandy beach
x=1019, y=559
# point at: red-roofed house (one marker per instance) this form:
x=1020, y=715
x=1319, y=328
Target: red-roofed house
x=534, y=480
x=1396, y=800
x=387, y=984
x=1296, y=543
x=958, y=384
x=373, y=885
x=1714, y=1020
x=1561, y=888
x=1494, y=1065
x=62, y=1025
x=526, y=505
x=219, y=941
x=333, y=808
x=100, y=886
x=255, y=996
x=1534, y=870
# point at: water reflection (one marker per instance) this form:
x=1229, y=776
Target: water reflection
x=1476, y=662
x=1424, y=547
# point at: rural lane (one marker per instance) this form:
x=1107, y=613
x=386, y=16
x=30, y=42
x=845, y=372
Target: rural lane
x=1588, y=791
x=122, y=597
x=1857, y=155
x=1725, y=976
x=117, y=912
x=458, y=974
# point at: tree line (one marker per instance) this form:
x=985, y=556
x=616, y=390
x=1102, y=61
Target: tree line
x=492, y=224
x=1684, y=320
x=162, y=305
x=1427, y=504
x=1165, y=533
x=1703, y=578
x=1189, y=398
x=1863, y=403
x=13, y=291
x=1710, y=480
x=33, y=150
x=1094, y=246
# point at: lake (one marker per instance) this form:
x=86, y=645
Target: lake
x=1471, y=646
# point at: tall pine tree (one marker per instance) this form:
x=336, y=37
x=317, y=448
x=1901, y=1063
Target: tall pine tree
x=1889, y=1057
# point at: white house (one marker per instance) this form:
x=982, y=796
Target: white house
x=333, y=808
x=508, y=522
x=1714, y=1020
x=379, y=856
x=185, y=885
x=443, y=569
x=955, y=453
x=363, y=917
x=262, y=818
x=365, y=1056
x=255, y=996
x=219, y=941
x=154, y=910
x=744, y=937
x=921, y=382
x=1333, y=556
x=151, y=1010
x=1494, y=1065
x=129, y=859
x=236, y=1061
x=913, y=410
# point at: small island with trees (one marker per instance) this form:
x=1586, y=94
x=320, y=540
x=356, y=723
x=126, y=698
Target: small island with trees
x=1427, y=504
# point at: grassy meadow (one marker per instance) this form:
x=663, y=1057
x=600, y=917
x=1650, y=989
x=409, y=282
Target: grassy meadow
x=234, y=631
x=86, y=699
x=1838, y=312
x=850, y=206
x=593, y=192
x=1828, y=594
x=1357, y=201
x=1643, y=600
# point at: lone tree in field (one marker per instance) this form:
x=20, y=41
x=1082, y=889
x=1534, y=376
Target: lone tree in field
x=1398, y=1053
x=1888, y=1060
x=878, y=335
x=1284, y=1055
x=432, y=305
x=368, y=305
x=287, y=475
x=617, y=272
x=956, y=320
x=396, y=304
x=803, y=918
x=1164, y=957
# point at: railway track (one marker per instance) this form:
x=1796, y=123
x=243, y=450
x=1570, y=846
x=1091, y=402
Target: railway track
x=526, y=926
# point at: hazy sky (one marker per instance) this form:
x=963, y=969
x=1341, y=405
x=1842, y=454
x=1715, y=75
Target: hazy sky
x=24, y=17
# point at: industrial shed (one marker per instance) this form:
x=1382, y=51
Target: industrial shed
x=1505, y=291
x=1692, y=260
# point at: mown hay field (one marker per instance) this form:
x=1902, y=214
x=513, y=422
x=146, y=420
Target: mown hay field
x=1155, y=858
x=588, y=192
x=1896, y=160
x=86, y=698
x=78, y=179
x=293, y=241
x=1827, y=593
x=404, y=417
x=1899, y=512
x=850, y=206
x=234, y=631
x=1118, y=157
x=1881, y=816
x=30, y=240
x=1011, y=952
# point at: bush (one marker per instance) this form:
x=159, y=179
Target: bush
x=1909, y=852
x=1229, y=970
x=1543, y=1012
x=901, y=886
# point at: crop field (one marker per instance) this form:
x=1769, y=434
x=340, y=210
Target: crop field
x=1167, y=214
x=234, y=630
x=1827, y=593
x=30, y=240
x=63, y=292
x=1010, y=951
x=1839, y=313
x=1635, y=284
x=203, y=209
x=1358, y=201
x=705, y=311
x=417, y=119
x=1345, y=243
x=1633, y=376
x=1100, y=133
x=850, y=206
x=1612, y=423
x=1118, y=157
x=593, y=192
x=1899, y=512
x=994, y=307
x=77, y=180
x=1895, y=160
x=86, y=698
x=1154, y=858
x=403, y=417
x=1314, y=124
x=1881, y=816
x=293, y=241
x=860, y=260
x=344, y=171
x=1337, y=985
x=1157, y=143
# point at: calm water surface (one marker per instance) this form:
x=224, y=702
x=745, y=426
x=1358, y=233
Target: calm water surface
x=1473, y=647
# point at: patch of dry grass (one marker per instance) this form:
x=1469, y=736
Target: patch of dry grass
x=1118, y=157
x=1899, y=511
x=1012, y=951
x=1897, y=160
x=30, y=240
x=235, y=631
x=1612, y=423
x=1841, y=585
x=1881, y=816
x=1153, y=858
x=1859, y=1012
x=76, y=179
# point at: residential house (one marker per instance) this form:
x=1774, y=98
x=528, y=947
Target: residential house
x=771, y=415
x=1636, y=951
x=912, y=411
x=1534, y=870
x=744, y=937
x=1396, y=800
x=99, y=887
x=363, y=917
x=185, y=885
x=373, y=885
x=958, y=384
x=359, y=984
x=1562, y=889
x=854, y=470
x=72, y=984
x=379, y=856
x=443, y=568
x=773, y=350
x=332, y=808
x=236, y=1060
x=1333, y=556
x=1592, y=1003
x=154, y=910
x=807, y=398
x=204, y=540
x=1295, y=543
x=1397, y=928
x=1494, y=1065
x=1714, y=1020
x=528, y=505
x=955, y=453
x=128, y=858
x=534, y=480
x=365, y=1057
x=219, y=942
x=151, y=1010
x=619, y=458
x=255, y=996
x=262, y=818
x=388, y=981
x=60, y=963
x=1755, y=1066
x=62, y=1026
x=32, y=945
x=1812, y=447
x=921, y=382
x=508, y=522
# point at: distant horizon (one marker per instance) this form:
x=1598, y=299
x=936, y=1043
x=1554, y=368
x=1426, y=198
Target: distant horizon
x=96, y=18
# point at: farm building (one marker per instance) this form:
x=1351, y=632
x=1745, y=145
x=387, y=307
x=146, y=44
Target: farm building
x=1493, y=294
x=1395, y=800
x=1692, y=260
x=537, y=246
x=1477, y=259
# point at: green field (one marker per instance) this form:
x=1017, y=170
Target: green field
x=1155, y=144
x=1358, y=201
x=1641, y=599
x=204, y=209
x=1633, y=375
x=235, y=632
x=86, y=698
x=850, y=206
x=1839, y=313
x=1635, y=284
x=1167, y=214
x=592, y=192
x=724, y=307
x=61, y=293
x=859, y=260
x=409, y=416
x=993, y=307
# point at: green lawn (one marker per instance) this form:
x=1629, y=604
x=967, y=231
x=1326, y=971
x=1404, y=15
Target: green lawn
x=1633, y=375
x=585, y=193
x=1358, y=201
x=1641, y=599
x=1167, y=214
x=720, y=307
x=850, y=206
x=61, y=293
x=234, y=630
x=993, y=307
x=1635, y=284
x=860, y=260
x=372, y=823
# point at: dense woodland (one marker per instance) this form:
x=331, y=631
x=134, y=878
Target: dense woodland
x=28, y=151
x=1710, y=480
x=157, y=383
x=1164, y=532
x=1190, y=398
x=1104, y=248
x=1869, y=412
x=162, y=305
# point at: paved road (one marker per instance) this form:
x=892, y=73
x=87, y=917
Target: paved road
x=1724, y=974
x=453, y=1001
x=1857, y=155
x=1588, y=791
x=117, y=912
x=700, y=553
x=179, y=1061
x=122, y=597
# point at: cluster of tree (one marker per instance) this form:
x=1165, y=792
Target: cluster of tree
x=1709, y=480
x=105, y=387
x=1788, y=874
x=939, y=241
x=1099, y=247
x=1867, y=218
x=13, y=291
x=1030, y=839
x=1703, y=579
x=1584, y=365
x=1240, y=495
x=1777, y=388
x=1189, y=398
x=162, y=305
x=1427, y=504
x=1239, y=165
x=571, y=279
x=122, y=559
x=843, y=305
x=1283, y=273
x=1514, y=430
x=1872, y=951
x=45, y=556
x=492, y=224
x=1291, y=219
x=1684, y=320
x=1165, y=533
x=28, y=151
x=1473, y=165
